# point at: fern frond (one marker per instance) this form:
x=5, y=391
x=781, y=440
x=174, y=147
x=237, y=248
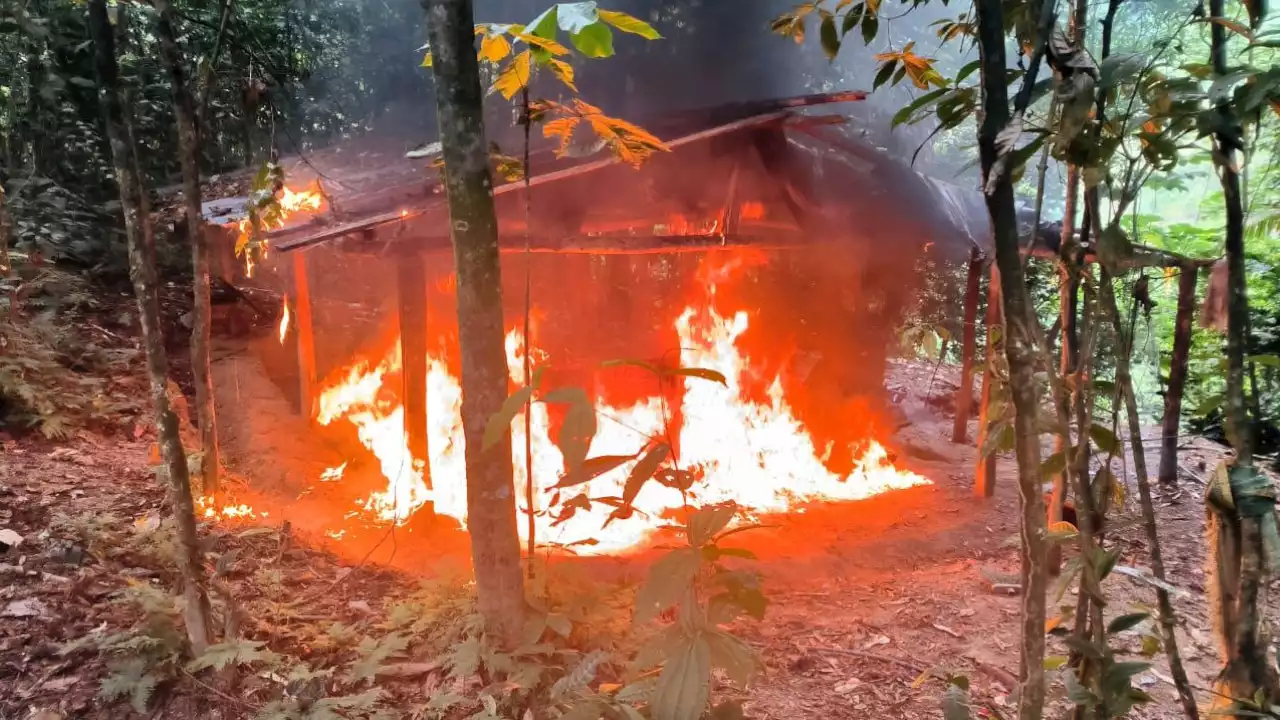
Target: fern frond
x=238, y=653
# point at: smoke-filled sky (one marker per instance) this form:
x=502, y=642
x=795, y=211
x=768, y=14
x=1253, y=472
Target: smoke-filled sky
x=712, y=52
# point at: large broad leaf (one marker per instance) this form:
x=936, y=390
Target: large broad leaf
x=592, y=468
x=731, y=654
x=669, y=579
x=704, y=524
x=501, y=420
x=1126, y=622
x=644, y=470
x=1106, y=440
x=1120, y=68
x=515, y=76
x=578, y=429
x=629, y=24
x=594, y=41
x=685, y=683
x=830, y=37
x=577, y=16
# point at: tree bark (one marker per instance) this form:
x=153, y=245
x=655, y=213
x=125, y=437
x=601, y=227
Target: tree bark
x=1168, y=620
x=491, y=507
x=1248, y=671
x=189, y=147
x=1172, y=421
x=1020, y=338
x=969, y=333
x=6, y=232
x=142, y=272
x=411, y=288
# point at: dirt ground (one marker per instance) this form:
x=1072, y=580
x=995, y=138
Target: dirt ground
x=865, y=597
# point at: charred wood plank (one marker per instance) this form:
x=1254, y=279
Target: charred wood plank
x=969, y=342
x=984, y=481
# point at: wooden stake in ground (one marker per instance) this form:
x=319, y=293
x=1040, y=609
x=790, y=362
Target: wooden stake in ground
x=142, y=271
x=969, y=333
x=184, y=112
x=1172, y=422
x=491, y=507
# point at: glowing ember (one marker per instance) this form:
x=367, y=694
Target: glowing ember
x=284, y=321
x=755, y=453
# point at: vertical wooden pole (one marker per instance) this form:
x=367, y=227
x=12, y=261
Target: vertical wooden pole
x=964, y=393
x=1068, y=306
x=1177, y=378
x=411, y=290
x=984, y=481
x=305, y=335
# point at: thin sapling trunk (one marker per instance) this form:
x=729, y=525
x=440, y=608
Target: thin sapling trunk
x=142, y=272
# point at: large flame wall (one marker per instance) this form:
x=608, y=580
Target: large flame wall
x=799, y=338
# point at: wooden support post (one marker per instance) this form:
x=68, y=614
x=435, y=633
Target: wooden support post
x=984, y=481
x=1177, y=378
x=964, y=393
x=1068, y=308
x=411, y=287
x=305, y=334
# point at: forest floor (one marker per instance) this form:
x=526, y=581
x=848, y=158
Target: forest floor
x=865, y=597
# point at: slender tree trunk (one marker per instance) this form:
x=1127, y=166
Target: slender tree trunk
x=1020, y=342
x=964, y=393
x=1248, y=671
x=1168, y=620
x=1172, y=422
x=142, y=271
x=491, y=507
x=189, y=147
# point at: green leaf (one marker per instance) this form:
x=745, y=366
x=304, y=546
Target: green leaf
x=969, y=69
x=643, y=471
x=1053, y=465
x=594, y=41
x=669, y=579
x=883, y=75
x=1106, y=440
x=904, y=115
x=830, y=37
x=731, y=654
x=1120, y=68
x=870, y=26
x=705, y=523
x=500, y=423
x=629, y=24
x=1053, y=662
x=851, y=19
x=1126, y=622
x=703, y=373
x=236, y=653
x=685, y=683
x=544, y=26
x=955, y=703
x=577, y=16
x=1209, y=404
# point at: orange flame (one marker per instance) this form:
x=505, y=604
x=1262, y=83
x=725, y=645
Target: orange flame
x=284, y=321
x=755, y=453
x=291, y=202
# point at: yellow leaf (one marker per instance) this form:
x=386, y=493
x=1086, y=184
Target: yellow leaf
x=1117, y=493
x=563, y=72
x=633, y=25
x=493, y=48
x=426, y=60
x=873, y=6
x=515, y=76
x=541, y=43
x=561, y=128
